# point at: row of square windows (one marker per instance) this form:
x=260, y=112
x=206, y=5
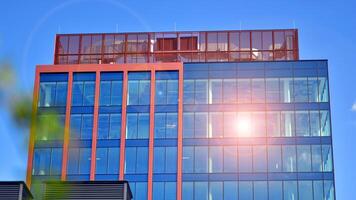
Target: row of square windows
x=195, y=125
x=196, y=159
x=198, y=91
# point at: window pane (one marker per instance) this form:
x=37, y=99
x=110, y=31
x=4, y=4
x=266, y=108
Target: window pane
x=258, y=90
x=201, y=190
x=47, y=94
x=77, y=94
x=105, y=92
x=244, y=90
x=141, y=190
x=188, y=159
x=230, y=159
x=286, y=90
x=313, y=89
x=300, y=90
x=201, y=91
x=158, y=190
x=84, y=160
x=230, y=119
x=215, y=91
x=160, y=125
x=143, y=126
x=170, y=191
x=116, y=92
x=101, y=160
x=216, y=125
x=56, y=161
x=188, y=96
x=142, y=160
x=113, y=160
x=201, y=125
x=323, y=90
x=290, y=190
x=144, y=92
x=234, y=41
x=130, y=160
x=245, y=190
x=305, y=190
x=132, y=97
x=75, y=126
x=325, y=123
x=327, y=158
x=131, y=127
x=230, y=190
x=245, y=158
x=259, y=125
x=215, y=159
x=87, y=126
x=289, y=158
x=171, y=160
x=61, y=94
x=302, y=123
x=215, y=191
x=272, y=90
x=314, y=123
x=172, y=125
x=159, y=160
x=329, y=190
x=115, y=126
x=161, y=92
x=304, y=158
x=103, y=126
x=229, y=91
x=188, y=125
x=260, y=190
x=172, y=92
x=316, y=158
x=318, y=190
x=41, y=162
x=89, y=91
x=274, y=158
x=275, y=190
x=273, y=124
x=73, y=161
x=259, y=159
x=201, y=160
x=287, y=124
x=187, y=190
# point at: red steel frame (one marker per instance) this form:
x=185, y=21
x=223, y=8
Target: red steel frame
x=125, y=68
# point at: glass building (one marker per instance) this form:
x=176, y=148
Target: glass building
x=215, y=115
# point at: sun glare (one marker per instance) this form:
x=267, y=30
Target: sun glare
x=243, y=126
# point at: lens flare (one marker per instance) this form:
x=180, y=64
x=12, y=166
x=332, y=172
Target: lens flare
x=243, y=126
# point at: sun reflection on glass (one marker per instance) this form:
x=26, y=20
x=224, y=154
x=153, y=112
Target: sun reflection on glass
x=243, y=126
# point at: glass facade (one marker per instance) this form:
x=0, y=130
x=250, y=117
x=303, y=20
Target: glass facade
x=248, y=130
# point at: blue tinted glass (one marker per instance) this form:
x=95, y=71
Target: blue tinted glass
x=47, y=94
x=215, y=159
x=84, y=160
x=75, y=126
x=116, y=92
x=201, y=159
x=245, y=159
x=73, y=161
x=289, y=158
x=215, y=191
x=89, y=91
x=300, y=90
x=260, y=190
x=258, y=90
x=313, y=89
x=318, y=190
x=188, y=159
x=142, y=160
x=327, y=158
x=188, y=125
x=323, y=89
x=201, y=125
x=160, y=125
x=130, y=160
x=87, y=126
x=132, y=97
x=329, y=190
x=244, y=90
x=171, y=160
x=302, y=123
x=290, y=190
x=159, y=160
x=141, y=190
x=172, y=92
x=56, y=161
x=187, y=191
x=158, y=190
x=201, y=190
x=61, y=94
x=171, y=125
x=245, y=190
x=77, y=93
x=272, y=90
x=314, y=123
x=170, y=191
x=113, y=160
x=131, y=127
x=101, y=160
x=115, y=126
x=305, y=189
x=274, y=158
x=105, y=92
x=230, y=159
x=143, y=126
x=144, y=92
x=230, y=190
x=201, y=91
x=229, y=91
x=304, y=158
x=259, y=159
x=275, y=190
x=286, y=90
x=188, y=96
x=103, y=126
x=161, y=92
x=42, y=161
x=216, y=91
x=316, y=158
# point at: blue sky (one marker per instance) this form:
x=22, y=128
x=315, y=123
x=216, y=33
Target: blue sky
x=327, y=30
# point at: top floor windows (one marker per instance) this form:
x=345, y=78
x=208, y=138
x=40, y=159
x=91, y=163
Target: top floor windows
x=139, y=88
x=110, y=89
x=83, y=90
x=166, y=88
x=53, y=90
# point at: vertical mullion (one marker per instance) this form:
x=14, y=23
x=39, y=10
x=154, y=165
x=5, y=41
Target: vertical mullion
x=180, y=132
x=151, y=135
x=123, y=125
x=95, y=126
x=67, y=127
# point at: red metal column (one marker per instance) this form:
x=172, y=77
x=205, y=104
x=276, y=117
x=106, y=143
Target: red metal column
x=67, y=127
x=95, y=126
x=123, y=126
x=31, y=145
x=180, y=133
x=151, y=136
